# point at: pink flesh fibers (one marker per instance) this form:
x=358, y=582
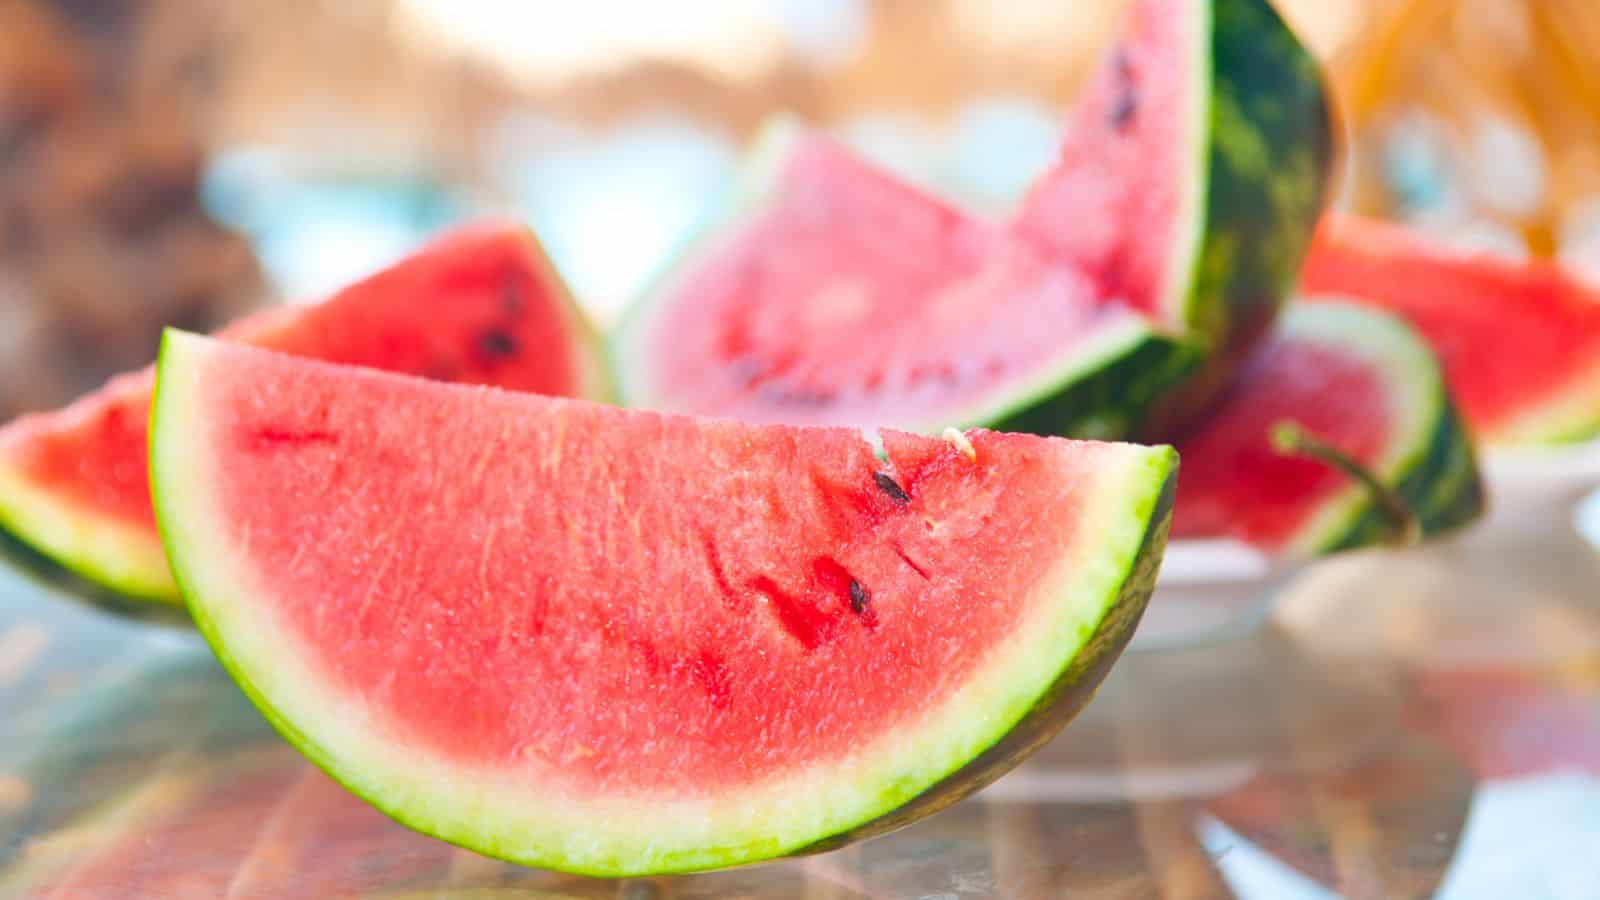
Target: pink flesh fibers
x=1105, y=205
x=614, y=598
x=839, y=300
x=1235, y=483
x=477, y=307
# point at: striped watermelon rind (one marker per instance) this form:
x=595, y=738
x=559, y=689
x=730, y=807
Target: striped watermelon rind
x=1431, y=466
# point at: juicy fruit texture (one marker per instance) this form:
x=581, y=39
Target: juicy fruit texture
x=839, y=298
x=481, y=306
x=1359, y=381
x=1171, y=227
x=1520, y=340
x=616, y=642
x=1193, y=171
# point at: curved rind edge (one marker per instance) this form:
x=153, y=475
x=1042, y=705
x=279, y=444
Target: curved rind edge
x=149, y=592
x=1068, y=692
x=1270, y=147
x=1437, y=475
x=1103, y=389
x=126, y=572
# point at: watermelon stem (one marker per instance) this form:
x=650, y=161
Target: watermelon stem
x=1290, y=439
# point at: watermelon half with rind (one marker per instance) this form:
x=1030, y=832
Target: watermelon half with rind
x=616, y=642
x=1165, y=237
x=480, y=305
x=1386, y=457
x=1520, y=339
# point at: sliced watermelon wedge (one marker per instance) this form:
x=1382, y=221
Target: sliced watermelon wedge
x=840, y=295
x=482, y=305
x=1520, y=339
x=1383, y=455
x=1172, y=227
x=1193, y=172
x=616, y=642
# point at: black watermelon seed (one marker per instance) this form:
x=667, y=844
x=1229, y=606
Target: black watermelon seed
x=888, y=485
x=497, y=343
x=858, y=597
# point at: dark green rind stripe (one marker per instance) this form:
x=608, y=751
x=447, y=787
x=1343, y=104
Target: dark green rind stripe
x=1066, y=697
x=1270, y=172
x=63, y=582
x=1270, y=162
x=1112, y=402
x=1444, y=488
x=1457, y=496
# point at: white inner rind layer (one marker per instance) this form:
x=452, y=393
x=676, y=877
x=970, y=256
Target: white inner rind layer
x=105, y=550
x=532, y=816
x=1412, y=381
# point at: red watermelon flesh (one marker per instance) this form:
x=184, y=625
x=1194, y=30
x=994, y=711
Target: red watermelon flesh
x=1099, y=206
x=1520, y=340
x=615, y=641
x=1366, y=387
x=1235, y=482
x=837, y=302
x=480, y=306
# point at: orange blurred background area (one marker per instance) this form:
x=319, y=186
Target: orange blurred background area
x=177, y=161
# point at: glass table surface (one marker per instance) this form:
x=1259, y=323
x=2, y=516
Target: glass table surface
x=1424, y=724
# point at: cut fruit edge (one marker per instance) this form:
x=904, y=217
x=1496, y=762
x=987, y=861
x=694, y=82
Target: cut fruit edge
x=1047, y=666
x=1559, y=414
x=1123, y=343
x=48, y=529
x=1569, y=416
x=1429, y=464
x=56, y=537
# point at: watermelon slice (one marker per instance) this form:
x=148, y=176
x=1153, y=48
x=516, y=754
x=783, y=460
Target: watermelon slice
x=482, y=305
x=1520, y=339
x=616, y=642
x=1367, y=391
x=839, y=295
x=1174, y=224
x=1192, y=174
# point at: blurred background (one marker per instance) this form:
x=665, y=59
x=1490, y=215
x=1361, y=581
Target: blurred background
x=181, y=161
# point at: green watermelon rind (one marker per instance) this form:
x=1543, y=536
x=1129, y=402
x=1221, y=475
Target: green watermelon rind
x=1098, y=387
x=1030, y=688
x=1269, y=147
x=121, y=568
x=62, y=543
x=1431, y=465
x=1263, y=178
